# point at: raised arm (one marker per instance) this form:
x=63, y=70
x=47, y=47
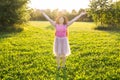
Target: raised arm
x=48, y=18
x=76, y=18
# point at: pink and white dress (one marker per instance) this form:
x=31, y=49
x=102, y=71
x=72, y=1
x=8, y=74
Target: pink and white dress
x=61, y=44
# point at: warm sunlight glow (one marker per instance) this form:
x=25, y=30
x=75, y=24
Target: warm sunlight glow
x=60, y=4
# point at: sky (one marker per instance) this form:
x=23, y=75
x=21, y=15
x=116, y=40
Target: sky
x=60, y=4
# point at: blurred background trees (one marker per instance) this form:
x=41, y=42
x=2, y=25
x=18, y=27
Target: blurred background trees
x=106, y=12
x=37, y=16
x=13, y=12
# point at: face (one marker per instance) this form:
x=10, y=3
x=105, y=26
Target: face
x=61, y=20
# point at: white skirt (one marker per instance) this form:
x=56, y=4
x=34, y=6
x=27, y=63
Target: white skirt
x=61, y=46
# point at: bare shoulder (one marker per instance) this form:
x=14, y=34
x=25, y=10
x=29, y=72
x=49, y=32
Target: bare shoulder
x=68, y=24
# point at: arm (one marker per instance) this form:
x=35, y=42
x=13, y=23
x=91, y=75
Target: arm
x=76, y=18
x=48, y=18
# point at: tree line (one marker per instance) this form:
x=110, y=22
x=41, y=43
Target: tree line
x=37, y=16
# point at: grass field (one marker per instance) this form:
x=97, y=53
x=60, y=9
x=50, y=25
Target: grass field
x=27, y=55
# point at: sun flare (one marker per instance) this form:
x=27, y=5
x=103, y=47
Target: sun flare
x=59, y=4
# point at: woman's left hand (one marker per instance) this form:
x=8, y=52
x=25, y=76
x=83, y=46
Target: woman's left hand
x=83, y=13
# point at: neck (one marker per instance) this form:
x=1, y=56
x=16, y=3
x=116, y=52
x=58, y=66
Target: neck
x=60, y=24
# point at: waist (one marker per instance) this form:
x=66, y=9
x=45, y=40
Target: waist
x=61, y=34
x=60, y=37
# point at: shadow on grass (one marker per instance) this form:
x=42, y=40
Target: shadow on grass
x=11, y=29
x=9, y=32
x=61, y=74
x=110, y=29
x=50, y=27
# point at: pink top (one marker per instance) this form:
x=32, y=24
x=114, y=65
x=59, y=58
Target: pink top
x=61, y=30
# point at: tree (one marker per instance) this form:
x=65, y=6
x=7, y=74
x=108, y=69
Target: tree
x=114, y=14
x=98, y=9
x=105, y=11
x=36, y=15
x=13, y=12
x=54, y=13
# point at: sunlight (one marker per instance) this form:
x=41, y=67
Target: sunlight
x=60, y=4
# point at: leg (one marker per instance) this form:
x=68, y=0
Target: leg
x=63, y=53
x=63, y=60
x=58, y=60
x=56, y=52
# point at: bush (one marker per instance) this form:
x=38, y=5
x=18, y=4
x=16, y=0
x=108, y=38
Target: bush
x=13, y=12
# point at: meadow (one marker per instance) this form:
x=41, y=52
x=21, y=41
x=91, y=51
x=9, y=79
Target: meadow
x=27, y=55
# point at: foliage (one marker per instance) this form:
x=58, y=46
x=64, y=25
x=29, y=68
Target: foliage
x=13, y=12
x=105, y=12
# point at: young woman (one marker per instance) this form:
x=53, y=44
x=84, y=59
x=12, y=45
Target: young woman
x=61, y=46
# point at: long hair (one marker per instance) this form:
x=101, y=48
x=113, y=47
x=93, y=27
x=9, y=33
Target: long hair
x=65, y=20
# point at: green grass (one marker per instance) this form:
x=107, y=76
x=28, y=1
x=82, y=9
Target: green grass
x=27, y=55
